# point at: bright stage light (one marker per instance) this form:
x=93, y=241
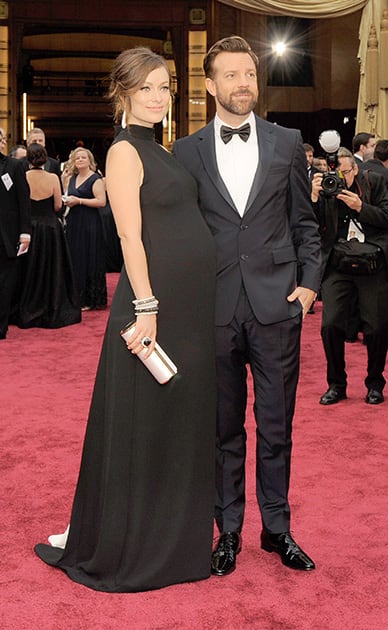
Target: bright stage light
x=279, y=48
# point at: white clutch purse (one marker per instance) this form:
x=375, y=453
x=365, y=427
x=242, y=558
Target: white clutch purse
x=158, y=363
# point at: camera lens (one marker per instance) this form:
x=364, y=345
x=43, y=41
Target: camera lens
x=330, y=183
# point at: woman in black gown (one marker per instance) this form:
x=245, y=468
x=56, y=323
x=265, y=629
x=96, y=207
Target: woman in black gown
x=48, y=295
x=143, y=511
x=84, y=196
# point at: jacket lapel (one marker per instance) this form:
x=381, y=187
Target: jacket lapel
x=266, y=140
x=207, y=150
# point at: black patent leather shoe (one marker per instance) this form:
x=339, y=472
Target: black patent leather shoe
x=291, y=554
x=224, y=556
x=332, y=396
x=374, y=397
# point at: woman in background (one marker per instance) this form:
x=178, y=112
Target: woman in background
x=85, y=195
x=49, y=297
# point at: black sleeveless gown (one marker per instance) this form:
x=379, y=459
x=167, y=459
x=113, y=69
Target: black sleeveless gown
x=48, y=296
x=143, y=511
x=85, y=236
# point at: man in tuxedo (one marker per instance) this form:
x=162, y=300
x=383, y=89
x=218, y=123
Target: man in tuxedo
x=38, y=136
x=311, y=169
x=15, y=227
x=363, y=145
x=253, y=192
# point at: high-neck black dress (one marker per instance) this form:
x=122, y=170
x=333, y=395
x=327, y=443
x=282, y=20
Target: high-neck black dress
x=143, y=511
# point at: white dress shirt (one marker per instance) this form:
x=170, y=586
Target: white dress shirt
x=237, y=161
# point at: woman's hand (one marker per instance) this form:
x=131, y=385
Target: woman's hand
x=145, y=328
x=72, y=200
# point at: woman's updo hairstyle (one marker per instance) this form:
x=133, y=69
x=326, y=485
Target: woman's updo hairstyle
x=36, y=155
x=130, y=70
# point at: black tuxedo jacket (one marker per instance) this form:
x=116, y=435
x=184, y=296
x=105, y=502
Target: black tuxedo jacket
x=277, y=238
x=311, y=172
x=15, y=205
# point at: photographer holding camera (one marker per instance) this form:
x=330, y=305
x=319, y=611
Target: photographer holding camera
x=352, y=211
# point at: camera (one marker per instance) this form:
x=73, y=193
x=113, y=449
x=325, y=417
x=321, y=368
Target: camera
x=332, y=183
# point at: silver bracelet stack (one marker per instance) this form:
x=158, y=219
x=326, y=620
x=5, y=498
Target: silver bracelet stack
x=147, y=306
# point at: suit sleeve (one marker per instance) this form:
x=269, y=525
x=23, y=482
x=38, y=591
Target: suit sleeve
x=303, y=223
x=56, y=167
x=22, y=191
x=375, y=212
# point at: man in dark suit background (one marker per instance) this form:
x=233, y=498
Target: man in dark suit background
x=311, y=169
x=15, y=228
x=379, y=162
x=253, y=192
x=37, y=135
x=363, y=146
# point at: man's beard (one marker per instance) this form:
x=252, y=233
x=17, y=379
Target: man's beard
x=238, y=108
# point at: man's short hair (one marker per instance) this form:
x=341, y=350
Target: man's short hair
x=361, y=138
x=14, y=151
x=33, y=132
x=234, y=44
x=381, y=150
x=343, y=152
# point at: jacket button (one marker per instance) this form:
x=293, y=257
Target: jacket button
x=243, y=227
x=244, y=257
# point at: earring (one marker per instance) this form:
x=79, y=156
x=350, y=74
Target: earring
x=124, y=120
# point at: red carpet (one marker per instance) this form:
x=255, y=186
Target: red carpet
x=339, y=501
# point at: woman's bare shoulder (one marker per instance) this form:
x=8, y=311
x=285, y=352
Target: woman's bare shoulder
x=123, y=154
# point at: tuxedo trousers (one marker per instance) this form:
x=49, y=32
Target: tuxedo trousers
x=272, y=352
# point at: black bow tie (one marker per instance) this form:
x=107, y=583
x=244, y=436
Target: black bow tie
x=228, y=132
